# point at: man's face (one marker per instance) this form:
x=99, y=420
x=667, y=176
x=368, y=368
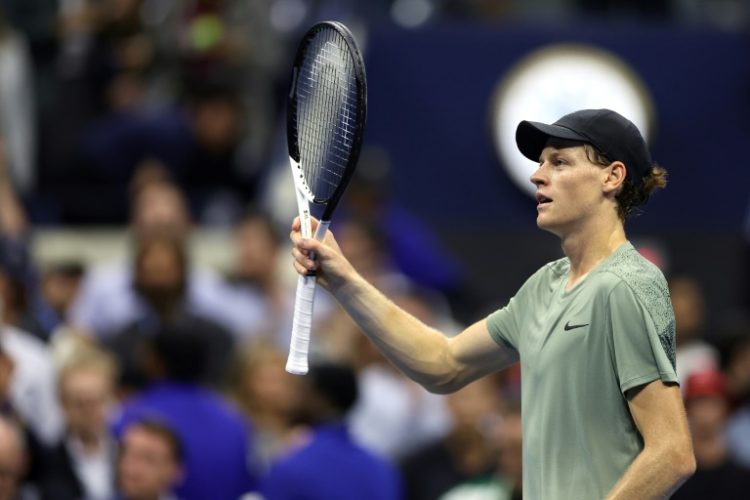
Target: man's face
x=86, y=397
x=689, y=307
x=569, y=187
x=160, y=209
x=707, y=416
x=160, y=268
x=271, y=387
x=147, y=466
x=256, y=249
x=216, y=124
x=159, y=278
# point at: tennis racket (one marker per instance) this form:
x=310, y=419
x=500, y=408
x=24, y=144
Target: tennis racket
x=326, y=110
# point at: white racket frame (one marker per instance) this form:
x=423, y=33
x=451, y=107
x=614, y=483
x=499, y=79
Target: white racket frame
x=299, y=345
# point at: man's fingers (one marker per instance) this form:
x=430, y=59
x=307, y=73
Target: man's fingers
x=303, y=249
x=300, y=268
x=303, y=257
x=304, y=264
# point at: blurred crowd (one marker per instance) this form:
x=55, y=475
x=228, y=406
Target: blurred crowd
x=155, y=377
x=94, y=91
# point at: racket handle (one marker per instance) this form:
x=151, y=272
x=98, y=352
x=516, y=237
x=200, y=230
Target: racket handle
x=299, y=346
x=301, y=326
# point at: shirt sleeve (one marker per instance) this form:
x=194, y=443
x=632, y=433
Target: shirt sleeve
x=642, y=351
x=503, y=326
x=506, y=323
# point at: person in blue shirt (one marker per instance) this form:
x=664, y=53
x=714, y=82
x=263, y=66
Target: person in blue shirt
x=329, y=465
x=216, y=440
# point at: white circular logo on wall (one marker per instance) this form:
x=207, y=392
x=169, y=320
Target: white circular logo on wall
x=554, y=81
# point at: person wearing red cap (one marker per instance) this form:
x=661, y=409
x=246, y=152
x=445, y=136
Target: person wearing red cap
x=717, y=474
x=595, y=334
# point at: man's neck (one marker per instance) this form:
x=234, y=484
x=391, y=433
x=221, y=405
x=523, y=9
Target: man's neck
x=590, y=245
x=88, y=444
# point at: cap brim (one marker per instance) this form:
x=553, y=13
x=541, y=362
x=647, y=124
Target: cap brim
x=531, y=137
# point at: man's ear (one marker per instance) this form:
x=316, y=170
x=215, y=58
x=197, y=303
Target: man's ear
x=614, y=179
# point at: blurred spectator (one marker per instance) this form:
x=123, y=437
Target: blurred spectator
x=694, y=354
x=267, y=396
x=510, y=453
x=60, y=283
x=733, y=342
x=199, y=142
x=159, y=282
x=36, y=20
x=15, y=275
x=329, y=464
x=108, y=301
x=505, y=483
x=717, y=475
x=17, y=106
x=207, y=38
x=107, y=43
x=735, y=349
x=216, y=440
x=413, y=416
x=194, y=84
x=23, y=306
x=151, y=461
x=28, y=388
x=201, y=36
x=13, y=461
x=82, y=464
x=413, y=248
x=466, y=452
x=31, y=391
x=256, y=287
x=13, y=220
x=157, y=205
x=106, y=65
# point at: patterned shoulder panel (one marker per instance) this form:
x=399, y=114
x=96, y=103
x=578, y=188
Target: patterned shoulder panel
x=559, y=268
x=650, y=287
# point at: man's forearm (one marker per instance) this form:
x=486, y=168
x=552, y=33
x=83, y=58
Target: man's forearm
x=419, y=351
x=654, y=474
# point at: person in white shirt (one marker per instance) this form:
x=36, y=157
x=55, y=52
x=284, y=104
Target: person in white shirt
x=108, y=301
x=31, y=393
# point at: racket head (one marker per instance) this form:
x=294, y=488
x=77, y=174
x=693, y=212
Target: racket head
x=326, y=111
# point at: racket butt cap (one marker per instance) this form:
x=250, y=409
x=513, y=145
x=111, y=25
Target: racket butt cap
x=296, y=367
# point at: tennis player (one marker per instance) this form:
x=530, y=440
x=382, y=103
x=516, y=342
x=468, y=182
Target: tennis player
x=594, y=331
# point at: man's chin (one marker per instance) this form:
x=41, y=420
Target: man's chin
x=545, y=225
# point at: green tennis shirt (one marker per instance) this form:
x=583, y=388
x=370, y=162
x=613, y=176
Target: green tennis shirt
x=581, y=350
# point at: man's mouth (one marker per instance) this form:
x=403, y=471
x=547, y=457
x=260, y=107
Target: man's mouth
x=542, y=200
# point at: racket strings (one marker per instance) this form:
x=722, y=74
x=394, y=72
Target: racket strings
x=327, y=113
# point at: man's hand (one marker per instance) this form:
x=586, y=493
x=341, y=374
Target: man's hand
x=323, y=257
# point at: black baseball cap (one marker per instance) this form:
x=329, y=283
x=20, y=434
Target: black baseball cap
x=609, y=132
